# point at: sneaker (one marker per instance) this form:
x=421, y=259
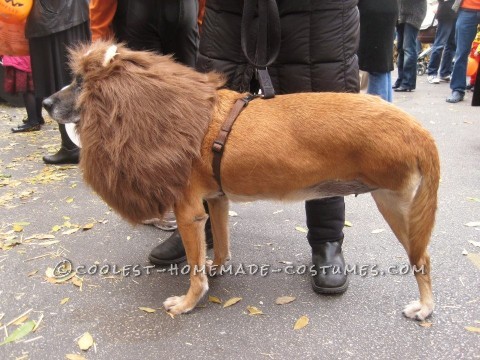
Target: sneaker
x=432, y=79
x=445, y=78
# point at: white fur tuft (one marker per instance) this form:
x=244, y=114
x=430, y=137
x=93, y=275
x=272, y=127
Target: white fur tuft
x=109, y=55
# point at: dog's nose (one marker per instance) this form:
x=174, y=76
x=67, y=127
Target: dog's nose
x=47, y=104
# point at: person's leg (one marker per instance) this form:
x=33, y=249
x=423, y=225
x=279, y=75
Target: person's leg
x=379, y=84
x=464, y=33
x=32, y=123
x=441, y=37
x=409, y=74
x=325, y=222
x=448, y=53
x=401, y=54
x=179, y=30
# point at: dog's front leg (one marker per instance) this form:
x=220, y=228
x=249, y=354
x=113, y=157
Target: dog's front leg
x=218, y=209
x=191, y=218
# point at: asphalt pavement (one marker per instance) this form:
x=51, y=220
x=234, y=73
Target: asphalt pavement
x=47, y=215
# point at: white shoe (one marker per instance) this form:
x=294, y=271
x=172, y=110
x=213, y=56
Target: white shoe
x=445, y=78
x=432, y=79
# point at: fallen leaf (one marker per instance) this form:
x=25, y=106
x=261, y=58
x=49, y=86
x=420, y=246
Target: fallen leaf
x=301, y=323
x=232, y=301
x=282, y=300
x=21, y=320
x=85, y=341
x=425, y=324
x=472, y=329
x=348, y=223
x=64, y=301
x=87, y=226
x=147, y=309
x=41, y=237
x=252, y=310
x=232, y=213
x=377, y=231
x=32, y=273
x=74, y=357
x=70, y=231
x=56, y=228
x=301, y=229
x=17, y=228
x=69, y=200
x=214, y=299
x=473, y=199
x=474, y=243
x=475, y=259
x=20, y=332
x=78, y=282
x=473, y=224
x=22, y=223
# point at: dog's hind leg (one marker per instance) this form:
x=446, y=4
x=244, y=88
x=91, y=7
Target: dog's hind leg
x=401, y=210
x=218, y=209
x=191, y=218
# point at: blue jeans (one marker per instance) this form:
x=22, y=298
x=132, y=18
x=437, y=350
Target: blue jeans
x=380, y=84
x=407, y=55
x=465, y=31
x=443, y=49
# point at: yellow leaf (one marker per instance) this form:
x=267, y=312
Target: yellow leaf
x=17, y=228
x=66, y=217
x=232, y=301
x=147, y=309
x=425, y=324
x=301, y=323
x=301, y=229
x=70, y=231
x=472, y=329
x=55, y=228
x=64, y=301
x=85, y=341
x=252, y=310
x=74, y=357
x=69, y=200
x=78, y=282
x=21, y=320
x=474, y=258
x=282, y=300
x=214, y=299
x=348, y=223
x=87, y=226
x=32, y=273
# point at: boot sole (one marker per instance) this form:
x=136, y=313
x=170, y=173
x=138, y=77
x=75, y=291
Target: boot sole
x=330, y=291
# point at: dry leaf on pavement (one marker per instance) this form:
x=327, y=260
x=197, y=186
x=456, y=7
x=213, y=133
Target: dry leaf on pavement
x=282, y=300
x=301, y=323
x=85, y=342
x=232, y=301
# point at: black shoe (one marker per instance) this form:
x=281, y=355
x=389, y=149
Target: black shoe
x=402, y=89
x=26, y=128
x=329, y=264
x=41, y=122
x=171, y=251
x=63, y=156
x=396, y=85
x=456, y=97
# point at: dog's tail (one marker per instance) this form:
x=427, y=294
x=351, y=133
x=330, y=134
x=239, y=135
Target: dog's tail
x=424, y=204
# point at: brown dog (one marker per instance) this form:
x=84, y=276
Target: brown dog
x=147, y=125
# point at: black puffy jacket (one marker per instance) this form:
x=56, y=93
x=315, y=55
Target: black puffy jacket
x=319, y=40
x=52, y=16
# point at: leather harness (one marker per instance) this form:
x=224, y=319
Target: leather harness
x=219, y=143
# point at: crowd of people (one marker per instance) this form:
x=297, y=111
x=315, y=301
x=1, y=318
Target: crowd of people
x=243, y=39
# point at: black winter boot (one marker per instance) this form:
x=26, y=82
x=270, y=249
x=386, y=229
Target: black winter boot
x=69, y=153
x=171, y=251
x=325, y=222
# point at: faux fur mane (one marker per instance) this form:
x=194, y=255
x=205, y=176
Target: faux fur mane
x=143, y=119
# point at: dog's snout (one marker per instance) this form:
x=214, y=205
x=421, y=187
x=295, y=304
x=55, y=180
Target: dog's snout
x=48, y=103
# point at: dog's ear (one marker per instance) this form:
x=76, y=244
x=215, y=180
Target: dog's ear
x=110, y=55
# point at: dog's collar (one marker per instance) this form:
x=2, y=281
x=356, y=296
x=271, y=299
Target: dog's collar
x=219, y=143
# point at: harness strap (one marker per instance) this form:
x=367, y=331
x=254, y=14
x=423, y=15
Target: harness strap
x=219, y=143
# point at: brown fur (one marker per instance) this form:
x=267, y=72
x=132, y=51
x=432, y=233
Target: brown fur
x=147, y=127
x=152, y=139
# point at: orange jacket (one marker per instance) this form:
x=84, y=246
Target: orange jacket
x=101, y=17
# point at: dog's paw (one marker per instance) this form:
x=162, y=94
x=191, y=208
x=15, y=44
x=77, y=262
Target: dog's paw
x=417, y=311
x=176, y=305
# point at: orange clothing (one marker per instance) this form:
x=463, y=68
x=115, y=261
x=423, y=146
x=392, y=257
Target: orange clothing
x=471, y=4
x=101, y=17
